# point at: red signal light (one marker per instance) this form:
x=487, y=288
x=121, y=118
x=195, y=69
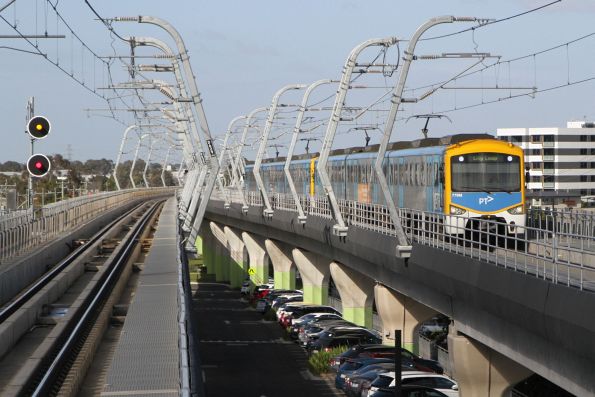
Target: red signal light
x=38, y=165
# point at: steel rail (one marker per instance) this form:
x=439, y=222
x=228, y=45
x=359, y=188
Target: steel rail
x=93, y=301
x=24, y=297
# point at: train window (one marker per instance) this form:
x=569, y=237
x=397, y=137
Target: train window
x=485, y=172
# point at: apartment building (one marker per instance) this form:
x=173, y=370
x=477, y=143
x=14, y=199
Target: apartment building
x=561, y=161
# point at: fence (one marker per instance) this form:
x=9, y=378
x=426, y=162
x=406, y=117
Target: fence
x=557, y=253
x=22, y=231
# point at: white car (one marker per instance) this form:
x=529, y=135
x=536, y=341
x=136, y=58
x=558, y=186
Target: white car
x=246, y=285
x=438, y=382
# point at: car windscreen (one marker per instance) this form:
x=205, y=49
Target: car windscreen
x=382, y=381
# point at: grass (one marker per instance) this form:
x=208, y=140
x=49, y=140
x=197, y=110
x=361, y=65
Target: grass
x=319, y=363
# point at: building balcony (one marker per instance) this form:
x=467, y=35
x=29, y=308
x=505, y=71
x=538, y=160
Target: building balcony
x=549, y=185
x=548, y=171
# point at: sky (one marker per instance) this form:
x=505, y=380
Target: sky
x=242, y=52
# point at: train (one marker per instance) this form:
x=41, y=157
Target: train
x=463, y=176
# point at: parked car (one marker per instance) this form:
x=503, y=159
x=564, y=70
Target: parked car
x=287, y=306
x=312, y=332
x=435, y=324
x=408, y=391
x=300, y=323
x=377, y=351
x=284, y=298
x=358, y=382
x=246, y=285
x=353, y=364
x=263, y=304
x=297, y=312
x=337, y=338
x=327, y=344
x=438, y=382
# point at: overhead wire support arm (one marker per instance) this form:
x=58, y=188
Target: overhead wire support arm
x=296, y=131
x=193, y=188
x=238, y=160
x=268, y=211
x=403, y=249
x=224, y=149
x=202, y=120
x=340, y=228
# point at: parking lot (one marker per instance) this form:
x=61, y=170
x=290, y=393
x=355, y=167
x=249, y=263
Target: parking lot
x=242, y=355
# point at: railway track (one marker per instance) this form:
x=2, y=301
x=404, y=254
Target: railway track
x=50, y=332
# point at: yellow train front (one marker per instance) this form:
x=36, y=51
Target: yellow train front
x=484, y=179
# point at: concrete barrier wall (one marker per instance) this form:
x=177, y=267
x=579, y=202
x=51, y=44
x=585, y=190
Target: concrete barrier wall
x=16, y=276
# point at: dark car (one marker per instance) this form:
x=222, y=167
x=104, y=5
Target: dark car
x=286, y=298
x=421, y=364
x=264, y=303
x=409, y=391
x=354, y=337
x=363, y=351
x=358, y=382
x=353, y=364
x=313, y=330
x=299, y=324
x=298, y=312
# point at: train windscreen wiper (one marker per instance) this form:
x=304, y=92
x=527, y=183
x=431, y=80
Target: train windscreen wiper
x=476, y=189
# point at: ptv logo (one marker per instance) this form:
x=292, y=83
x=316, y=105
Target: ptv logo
x=485, y=200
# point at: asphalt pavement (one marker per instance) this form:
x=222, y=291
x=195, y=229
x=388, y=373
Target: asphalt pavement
x=243, y=355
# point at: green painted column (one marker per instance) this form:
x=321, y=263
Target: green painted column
x=285, y=280
x=208, y=257
x=358, y=315
x=258, y=269
x=219, y=272
x=236, y=273
x=257, y=275
x=283, y=268
x=317, y=294
x=198, y=244
x=357, y=294
x=221, y=253
x=237, y=267
x=314, y=270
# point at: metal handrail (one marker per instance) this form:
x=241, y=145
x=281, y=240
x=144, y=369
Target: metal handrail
x=20, y=234
x=555, y=255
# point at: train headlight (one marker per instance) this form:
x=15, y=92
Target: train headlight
x=518, y=210
x=456, y=210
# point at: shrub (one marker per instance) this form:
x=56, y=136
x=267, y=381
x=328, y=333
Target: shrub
x=270, y=315
x=319, y=363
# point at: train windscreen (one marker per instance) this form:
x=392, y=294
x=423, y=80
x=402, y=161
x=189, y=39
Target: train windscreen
x=485, y=172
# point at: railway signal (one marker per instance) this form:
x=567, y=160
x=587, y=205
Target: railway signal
x=38, y=165
x=38, y=127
